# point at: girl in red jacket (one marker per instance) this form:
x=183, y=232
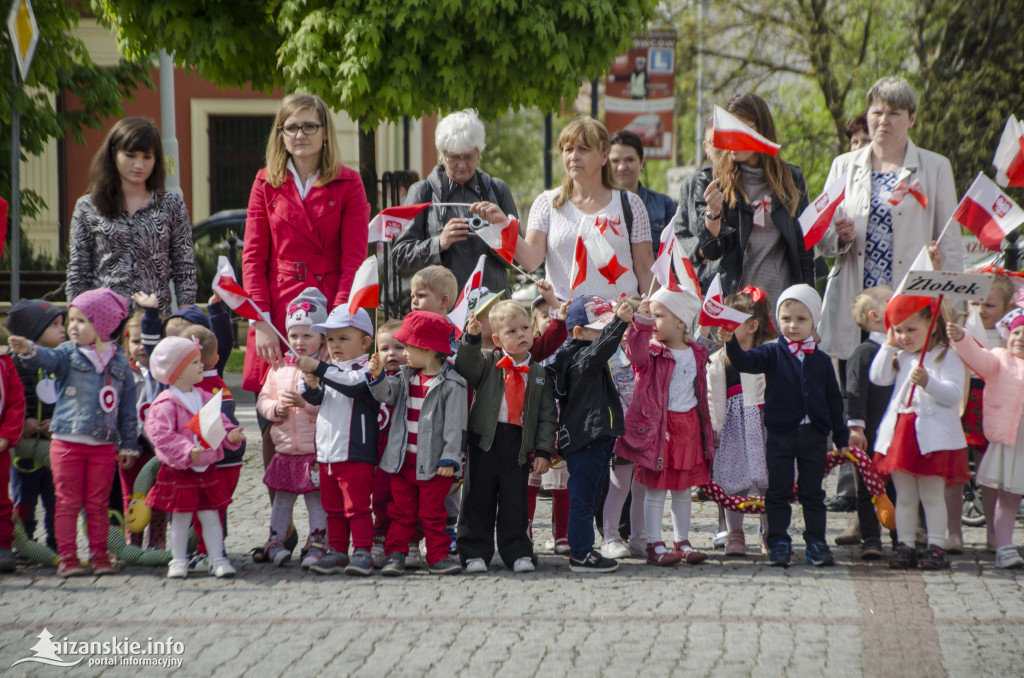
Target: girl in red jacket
x=12, y=419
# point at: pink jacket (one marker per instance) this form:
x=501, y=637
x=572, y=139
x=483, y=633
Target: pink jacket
x=295, y=432
x=646, y=419
x=1003, y=404
x=165, y=427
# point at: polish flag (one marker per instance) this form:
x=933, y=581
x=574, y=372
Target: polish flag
x=988, y=212
x=815, y=219
x=207, y=423
x=662, y=268
x=1009, y=159
x=365, y=290
x=390, y=221
x=604, y=256
x=578, y=274
x=470, y=291
x=732, y=134
x=502, y=238
x=225, y=284
x=685, y=274
x=714, y=312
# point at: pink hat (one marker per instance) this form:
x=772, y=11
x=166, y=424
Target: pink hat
x=426, y=330
x=170, y=358
x=104, y=308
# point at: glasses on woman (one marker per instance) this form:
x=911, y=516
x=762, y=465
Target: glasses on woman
x=463, y=159
x=307, y=128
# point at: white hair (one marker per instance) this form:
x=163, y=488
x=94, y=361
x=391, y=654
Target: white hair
x=460, y=132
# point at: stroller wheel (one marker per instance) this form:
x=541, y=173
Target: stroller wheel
x=972, y=514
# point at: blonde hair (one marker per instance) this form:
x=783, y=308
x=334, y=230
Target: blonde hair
x=871, y=299
x=207, y=344
x=1003, y=283
x=440, y=281
x=277, y=154
x=589, y=133
x=389, y=327
x=506, y=310
x=135, y=320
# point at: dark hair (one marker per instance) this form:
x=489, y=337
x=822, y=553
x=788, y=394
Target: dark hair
x=128, y=135
x=628, y=138
x=858, y=123
x=407, y=179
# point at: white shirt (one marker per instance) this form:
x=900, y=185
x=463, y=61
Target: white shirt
x=681, y=396
x=304, y=189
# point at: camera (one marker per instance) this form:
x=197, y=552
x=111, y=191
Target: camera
x=476, y=222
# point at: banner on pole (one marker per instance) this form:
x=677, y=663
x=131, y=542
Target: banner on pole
x=950, y=284
x=640, y=92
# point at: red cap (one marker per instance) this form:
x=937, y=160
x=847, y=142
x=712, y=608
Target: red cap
x=426, y=330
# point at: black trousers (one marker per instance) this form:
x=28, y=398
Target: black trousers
x=804, y=445
x=494, y=490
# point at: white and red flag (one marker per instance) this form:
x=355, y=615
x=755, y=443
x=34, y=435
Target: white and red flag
x=578, y=271
x=225, y=284
x=502, y=238
x=815, y=219
x=1009, y=159
x=714, y=312
x=603, y=255
x=988, y=212
x=391, y=221
x=470, y=291
x=732, y=134
x=662, y=268
x=207, y=424
x=365, y=291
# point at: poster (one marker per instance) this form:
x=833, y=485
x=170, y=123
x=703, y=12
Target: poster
x=640, y=92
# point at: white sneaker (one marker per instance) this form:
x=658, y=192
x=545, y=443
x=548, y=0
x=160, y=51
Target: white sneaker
x=524, y=564
x=478, y=566
x=415, y=559
x=177, y=568
x=637, y=546
x=221, y=567
x=377, y=554
x=1008, y=558
x=719, y=541
x=614, y=548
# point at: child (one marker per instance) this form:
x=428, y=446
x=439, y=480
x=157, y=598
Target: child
x=736, y=402
x=921, y=444
x=429, y=400
x=392, y=357
x=12, y=422
x=94, y=422
x=43, y=323
x=1002, y=467
x=802, y=403
x=187, y=480
x=293, y=430
x=513, y=416
x=434, y=289
x=668, y=436
x=590, y=417
x=346, y=439
x=865, y=405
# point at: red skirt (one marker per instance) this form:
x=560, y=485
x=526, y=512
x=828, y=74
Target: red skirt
x=904, y=455
x=682, y=460
x=187, y=491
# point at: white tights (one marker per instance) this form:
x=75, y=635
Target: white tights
x=654, y=511
x=213, y=535
x=618, y=487
x=929, y=491
x=734, y=519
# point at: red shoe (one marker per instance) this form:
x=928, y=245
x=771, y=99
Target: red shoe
x=71, y=567
x=688, y=553
x=101, y=564
x=665, y=558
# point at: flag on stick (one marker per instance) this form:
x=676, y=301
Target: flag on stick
x=732, y=134
x=502, y=238
x=391, y=221
x=714, y=312
x=225, y=284
x=1009, y=158
x=988, y=212
x=815, y=219
x=469, y=292
x=365, y=291
x=207, y=423
x=605, y=259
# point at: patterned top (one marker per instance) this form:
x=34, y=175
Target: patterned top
x=562, y=225
x=143, y=252
x=878, y=244
x=417, y=392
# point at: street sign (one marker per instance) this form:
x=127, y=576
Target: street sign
x=21, y=23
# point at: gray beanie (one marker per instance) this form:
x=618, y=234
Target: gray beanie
x=307, y=309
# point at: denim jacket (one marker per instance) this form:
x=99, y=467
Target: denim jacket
x=78, y=408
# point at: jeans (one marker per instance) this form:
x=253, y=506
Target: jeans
x=587, y=468
x=806, y=446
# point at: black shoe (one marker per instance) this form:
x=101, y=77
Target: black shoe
x=841, y=504
x=779, y=555
x=394, y=566
x=934, y=558
x=871, y=550
x=594, y=563
x=903, y=558
x=818, y=554
x=446, y=566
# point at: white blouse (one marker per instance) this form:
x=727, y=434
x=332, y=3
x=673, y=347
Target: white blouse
x=564, y=224
x=681, y=396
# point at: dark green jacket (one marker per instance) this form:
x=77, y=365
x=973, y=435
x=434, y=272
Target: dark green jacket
x=540, y=418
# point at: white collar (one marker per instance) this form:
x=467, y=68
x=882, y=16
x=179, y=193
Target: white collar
x=99, y=359
x=877, y=337
x=210, y=373
x=304, y=189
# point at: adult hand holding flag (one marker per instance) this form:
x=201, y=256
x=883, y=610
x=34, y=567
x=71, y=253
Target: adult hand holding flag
x=732, y=134
x=365, y=286
x=714, y=312
x=988, y=212
x=815, y=219
x=207, y=423
x=1009, y=158
x=470, y=290
x=391, y=221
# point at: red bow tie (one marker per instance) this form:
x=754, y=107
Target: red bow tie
x=807, y=346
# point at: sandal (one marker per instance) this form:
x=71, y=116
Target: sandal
x=259, y=555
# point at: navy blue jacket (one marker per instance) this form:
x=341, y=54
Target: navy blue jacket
x=793, y=388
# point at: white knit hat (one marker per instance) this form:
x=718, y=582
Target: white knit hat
x=683, y=304
x=807, y=296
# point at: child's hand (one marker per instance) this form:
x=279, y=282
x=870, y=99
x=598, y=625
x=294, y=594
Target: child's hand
x=19, y=345
x=446, y=471
x=236, y=436
x=473, y=326
x=145, y=300
x=919, y=376
x=935, y=255
x=125, y=461
x=857, y=438
x=44, y=428
x=547, y=293
x=540, y=465
x=645, y=308
x=280, y=409
x=563, y=310
x=890, y=338
x=194, y=454
x=4, y=444
x=214, y=299
x=292, y=399
x=30, y=428
x=955, y=332
x=312, y=381
x=375, y=366
x=625, y=311
x=307, y=365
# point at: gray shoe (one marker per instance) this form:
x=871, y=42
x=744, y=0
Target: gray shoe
x=361, y=564
x=394, y=566
x=446, y=566
x=7, y=563
x=332, y=562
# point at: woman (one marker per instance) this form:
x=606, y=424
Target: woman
x=873, y=241
x=127, y=233
x=306, y=225
x=758, y=197
x=441, y=235
x=627, y=159
x=589, y=190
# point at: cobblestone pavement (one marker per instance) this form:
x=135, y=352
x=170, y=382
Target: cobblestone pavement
x=733, y=617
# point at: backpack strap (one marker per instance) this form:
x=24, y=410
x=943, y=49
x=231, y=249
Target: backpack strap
x=627, y=213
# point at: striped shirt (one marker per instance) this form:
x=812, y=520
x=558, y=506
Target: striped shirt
x=417, y=392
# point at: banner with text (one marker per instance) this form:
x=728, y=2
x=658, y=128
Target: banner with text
x=951, y=285
x=640, y=92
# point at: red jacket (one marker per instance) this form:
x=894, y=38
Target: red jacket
x=291, y=244
x=12, y=404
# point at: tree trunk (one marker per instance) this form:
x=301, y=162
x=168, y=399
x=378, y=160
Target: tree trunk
x=368, y=165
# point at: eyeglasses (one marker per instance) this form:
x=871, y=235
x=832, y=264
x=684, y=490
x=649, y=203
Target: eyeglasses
x=464, y=159
x=307, y=128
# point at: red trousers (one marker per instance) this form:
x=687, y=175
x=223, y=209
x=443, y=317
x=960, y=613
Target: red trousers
x=6, y=505
x=82, y=478
x=345, y=489
x=417, y=503
x=227, y=477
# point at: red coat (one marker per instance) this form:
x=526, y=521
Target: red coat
x=291, y=244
